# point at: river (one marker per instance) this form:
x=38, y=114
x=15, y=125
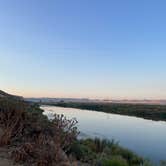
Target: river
x=145, y=137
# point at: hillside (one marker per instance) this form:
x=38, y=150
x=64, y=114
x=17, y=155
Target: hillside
x=6, y=95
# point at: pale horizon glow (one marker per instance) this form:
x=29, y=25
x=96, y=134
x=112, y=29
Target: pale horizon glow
x=83, y=49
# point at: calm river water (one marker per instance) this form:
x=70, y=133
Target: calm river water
x=145, y=137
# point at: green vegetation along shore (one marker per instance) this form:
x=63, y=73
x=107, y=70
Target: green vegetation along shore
x=28, y=138
x=153, y=112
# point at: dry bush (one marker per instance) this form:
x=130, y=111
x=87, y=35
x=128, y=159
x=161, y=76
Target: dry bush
x=65, y=131
x=34, y=154
x=12, y=118
x=36, y=140
x=22, y=153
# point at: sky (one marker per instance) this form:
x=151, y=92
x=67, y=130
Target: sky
x=110, y=49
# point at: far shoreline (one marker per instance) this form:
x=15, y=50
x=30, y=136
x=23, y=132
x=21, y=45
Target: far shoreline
x=145, y=111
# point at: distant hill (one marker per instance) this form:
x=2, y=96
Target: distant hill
x=55, y=100
x=86, y=100
x=6, y=95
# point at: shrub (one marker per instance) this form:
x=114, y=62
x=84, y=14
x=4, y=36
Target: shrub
x=12, y=117
x=65, y=131
x=82, y=152
x=99, y=151
x=113, y=163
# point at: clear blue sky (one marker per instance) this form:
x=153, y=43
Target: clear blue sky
x=83, y=48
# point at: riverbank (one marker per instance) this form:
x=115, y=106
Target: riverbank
x=152, y=112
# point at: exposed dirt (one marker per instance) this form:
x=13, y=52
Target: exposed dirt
x=5, y=159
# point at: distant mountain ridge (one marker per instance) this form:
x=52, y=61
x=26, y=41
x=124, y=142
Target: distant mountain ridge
x=7, y=95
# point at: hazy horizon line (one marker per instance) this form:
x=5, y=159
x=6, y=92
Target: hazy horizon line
x=53, y=97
